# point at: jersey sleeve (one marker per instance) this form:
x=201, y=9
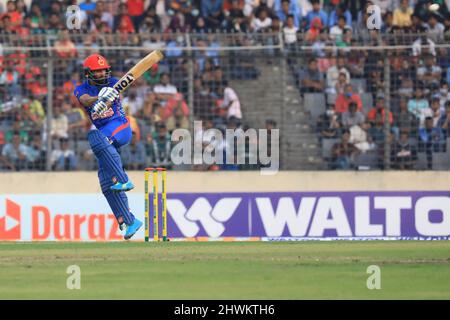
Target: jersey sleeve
x=78, y=92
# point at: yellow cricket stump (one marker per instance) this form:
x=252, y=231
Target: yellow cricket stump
x=146, y=205
x=164, y=204
x=155, y=206
x=155, y=214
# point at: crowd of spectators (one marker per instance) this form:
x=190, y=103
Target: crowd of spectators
x=159, y=103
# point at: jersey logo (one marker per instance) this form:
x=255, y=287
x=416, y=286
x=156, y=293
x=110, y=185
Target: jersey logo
x=107, y=114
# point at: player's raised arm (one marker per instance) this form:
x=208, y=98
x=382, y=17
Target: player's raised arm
x=87, y=100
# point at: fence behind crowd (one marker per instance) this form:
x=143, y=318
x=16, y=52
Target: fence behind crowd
x=351, y=101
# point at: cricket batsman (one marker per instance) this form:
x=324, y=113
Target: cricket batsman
x=103, y=106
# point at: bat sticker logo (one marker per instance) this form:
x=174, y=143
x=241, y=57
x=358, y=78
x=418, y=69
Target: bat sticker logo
x=125, y=83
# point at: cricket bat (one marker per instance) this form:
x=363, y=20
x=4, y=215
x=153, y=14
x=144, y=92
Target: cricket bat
x=138, y=70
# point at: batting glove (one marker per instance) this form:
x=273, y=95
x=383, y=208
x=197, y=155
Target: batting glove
x=108, y=94
x=99, y=107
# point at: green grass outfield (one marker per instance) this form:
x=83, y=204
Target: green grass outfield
x=218, y=270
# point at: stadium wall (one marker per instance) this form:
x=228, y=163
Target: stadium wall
x=250, y=181
x=236, y=206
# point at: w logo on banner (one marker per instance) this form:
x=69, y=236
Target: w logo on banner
x=201, y=212
x=10, y=221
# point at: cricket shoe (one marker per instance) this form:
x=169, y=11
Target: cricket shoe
x=119, y=187
x=131, y=230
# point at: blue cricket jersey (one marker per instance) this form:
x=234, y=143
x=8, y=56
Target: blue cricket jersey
x=113, y=123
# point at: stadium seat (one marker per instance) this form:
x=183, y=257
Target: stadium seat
x=421, y=161
x=315, y=104
x=367, y=101
x=441, y=161
x=327, y=145
x=331, y=98
x=368, y=159
x=359, y=85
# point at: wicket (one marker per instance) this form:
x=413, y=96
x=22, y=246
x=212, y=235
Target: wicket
x=155, y=216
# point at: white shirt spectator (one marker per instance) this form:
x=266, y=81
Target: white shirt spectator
x=336, y=32
x=60, y=126
x=165, y=89
x=56, y=154
x=258, y=24
x=231, y=99
x=417, y=47
x=437, y=32
x=133, y=105
x=333, y=76
x=290, y=35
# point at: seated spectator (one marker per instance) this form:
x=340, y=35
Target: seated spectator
x=76, y=118
x=435, y=29
x=14, y=15
x=402, y=15
x=160, y=144
x=340, y=84
x=262, y=22
x=212, y=13
x=176, y=113
x=377, y=113
x=434, y=111
x=448, y=76
x=9, y=79
x=360, y=138
x=341, y=10
x=105, y=15
x=287, y=10
x=229, y=106
x=37, y=153
x=235, y=20
x=316, y=12
x=343, y=153
x=406, y=89
x=133, y=154
x=122, y=21
x=313, y=33
x=334, y=72
x=430, y=73
x=18, y=127
x=290, y=31
x=403, y=153
x=444, y=121
x=352, y=117
x=153, y=76
x=34, y=112
x=423, y=45
x=337, y=31
x=344, y=100
x=431, y=138
x=59, y=124
x=15, y=153
x=64, y=47
x=133, y=102
x=70, y=85
x=164, y=90
x=418, y=103
x=311, y=79
x=404, y=120
x=444, y=94
x=328, y=124
x=63, y=158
